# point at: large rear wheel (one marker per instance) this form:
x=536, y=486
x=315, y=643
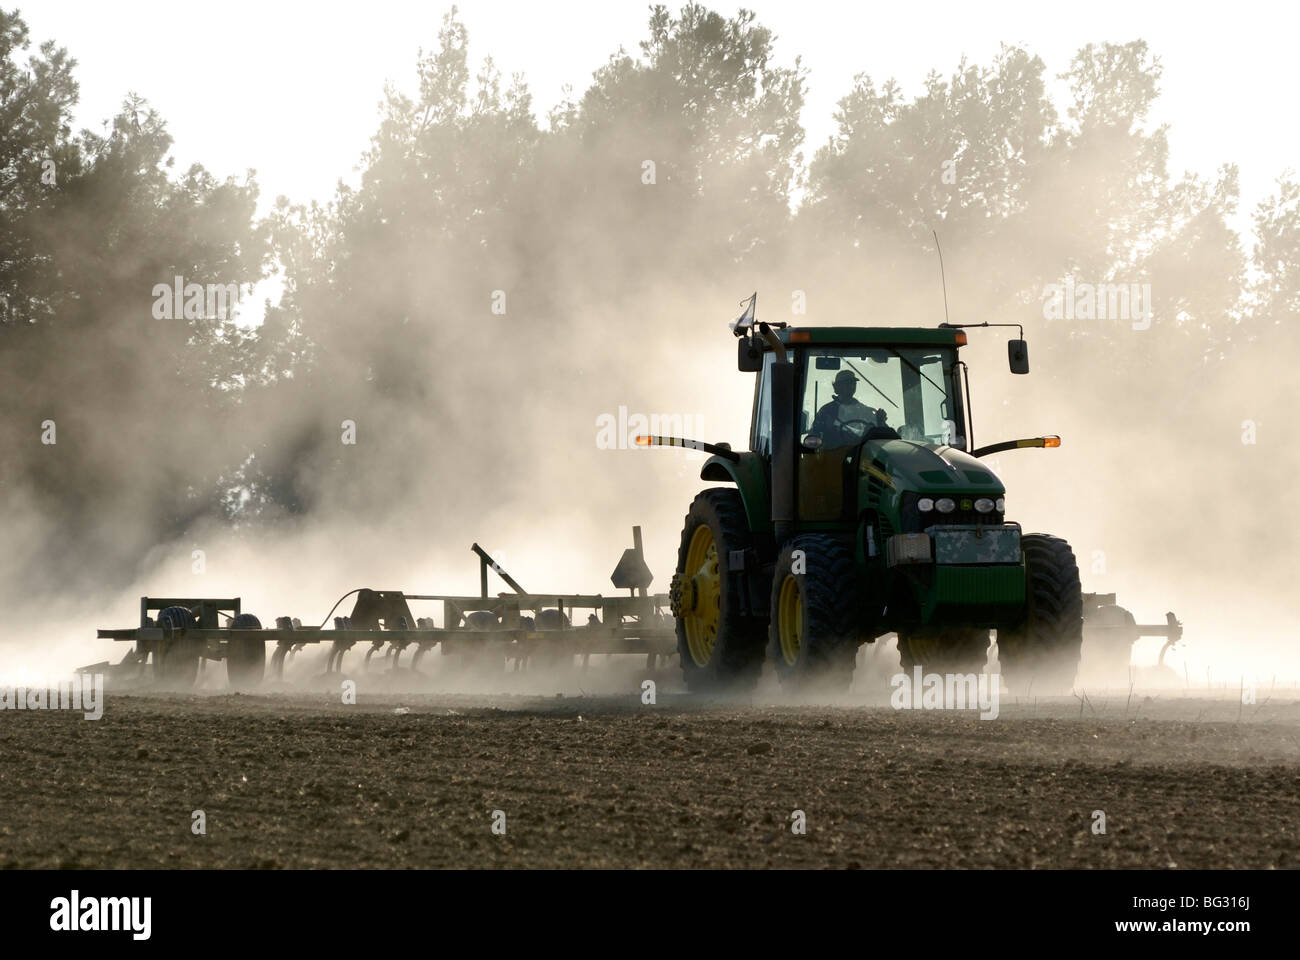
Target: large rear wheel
x=813, y=628
x=1041, y=655
x=720, y=648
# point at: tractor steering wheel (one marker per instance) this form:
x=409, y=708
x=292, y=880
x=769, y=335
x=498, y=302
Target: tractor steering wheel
x=849, y=435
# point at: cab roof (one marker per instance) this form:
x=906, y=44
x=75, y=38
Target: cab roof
x=866, y=336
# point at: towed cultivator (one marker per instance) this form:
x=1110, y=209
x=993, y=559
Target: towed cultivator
x=177, y=634
x=1109, y=632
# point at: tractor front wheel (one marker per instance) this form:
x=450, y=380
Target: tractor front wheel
x=813, y=628
x=719, y=647
x=1041, y=654
x=957, y=650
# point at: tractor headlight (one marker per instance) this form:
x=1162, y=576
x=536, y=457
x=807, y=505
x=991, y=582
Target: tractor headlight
x=925, y=504
x=945, y=505
x=1000, y=505
x=984, y=505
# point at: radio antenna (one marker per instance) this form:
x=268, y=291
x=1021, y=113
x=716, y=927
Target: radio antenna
x=942, y=278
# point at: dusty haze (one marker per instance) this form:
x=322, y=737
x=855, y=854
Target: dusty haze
x=475, y=425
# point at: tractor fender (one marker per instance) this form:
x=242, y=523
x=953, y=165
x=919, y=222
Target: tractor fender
x=748, y=475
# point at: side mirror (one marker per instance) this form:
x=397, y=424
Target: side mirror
x=1018, y=356
x=750, y=356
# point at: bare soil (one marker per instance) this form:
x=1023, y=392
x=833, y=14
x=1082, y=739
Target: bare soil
x=412, y=780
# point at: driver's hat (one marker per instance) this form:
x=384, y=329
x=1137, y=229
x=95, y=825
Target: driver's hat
x=845, y=378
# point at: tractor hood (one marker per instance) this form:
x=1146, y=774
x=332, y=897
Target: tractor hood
x=930, y=468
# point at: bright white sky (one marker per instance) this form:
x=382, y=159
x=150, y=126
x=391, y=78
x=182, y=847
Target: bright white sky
x=291, y=88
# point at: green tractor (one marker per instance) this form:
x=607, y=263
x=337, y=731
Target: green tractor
x=860, y=509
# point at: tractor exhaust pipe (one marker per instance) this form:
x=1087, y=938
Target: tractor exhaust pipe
x=784, y=443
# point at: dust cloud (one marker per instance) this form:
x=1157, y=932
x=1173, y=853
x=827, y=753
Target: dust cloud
x=500, y=285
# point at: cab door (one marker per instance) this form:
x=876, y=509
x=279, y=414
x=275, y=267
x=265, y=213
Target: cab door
x=819, y=473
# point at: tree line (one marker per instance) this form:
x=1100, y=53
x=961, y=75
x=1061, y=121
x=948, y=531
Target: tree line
x=675, y=183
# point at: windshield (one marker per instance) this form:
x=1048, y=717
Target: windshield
x=848, y=391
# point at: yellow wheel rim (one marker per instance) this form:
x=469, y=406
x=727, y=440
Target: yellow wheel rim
x=704, y=614
x=789, y=619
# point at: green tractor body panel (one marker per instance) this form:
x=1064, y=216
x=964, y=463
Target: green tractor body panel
x=936, y=470
x=978, y=576
x=749, y=476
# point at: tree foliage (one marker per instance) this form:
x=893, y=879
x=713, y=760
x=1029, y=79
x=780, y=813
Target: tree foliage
x=676, y=177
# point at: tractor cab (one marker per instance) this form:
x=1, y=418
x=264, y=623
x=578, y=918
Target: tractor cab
x=848, y=393
x=852, y=391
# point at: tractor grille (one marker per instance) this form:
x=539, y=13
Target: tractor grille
x=877, y=528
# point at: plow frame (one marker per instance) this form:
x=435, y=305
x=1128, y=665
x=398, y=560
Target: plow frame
x=617, y=625
x=383, y=620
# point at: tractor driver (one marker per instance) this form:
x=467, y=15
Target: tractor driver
x=844, y=420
